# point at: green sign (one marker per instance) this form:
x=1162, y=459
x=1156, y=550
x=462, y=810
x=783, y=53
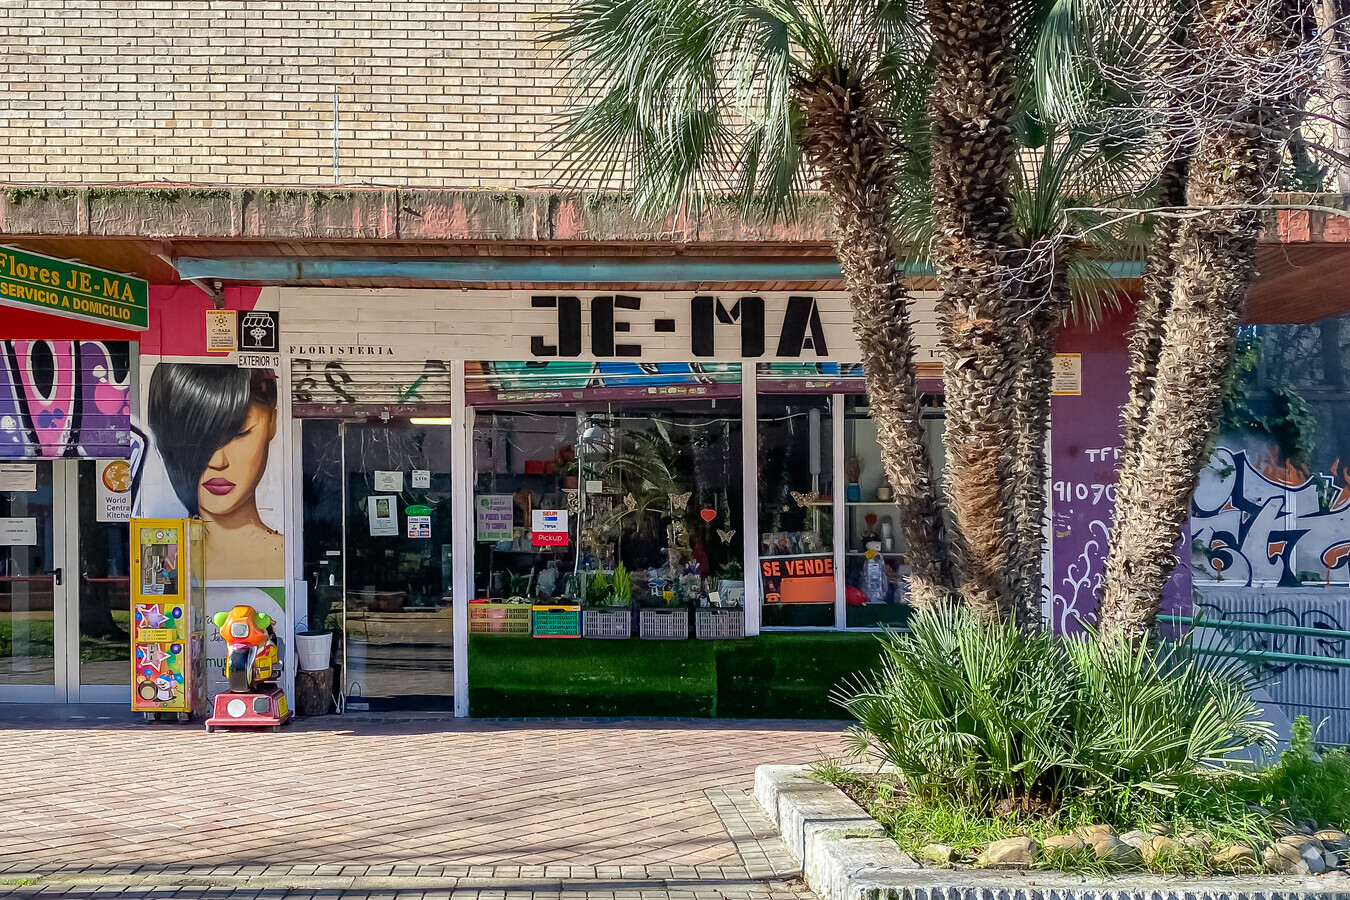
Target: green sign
x=64, y=288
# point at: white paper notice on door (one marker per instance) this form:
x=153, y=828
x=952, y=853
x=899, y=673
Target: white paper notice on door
x=20, y=477
x=383, y=512
x=18, y=532
x=389, y=481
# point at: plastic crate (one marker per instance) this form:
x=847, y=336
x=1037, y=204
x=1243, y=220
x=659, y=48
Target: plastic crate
x=664, y=624
x=607, y=623
x=499, y=618
x=713, y=624
x=557, y=621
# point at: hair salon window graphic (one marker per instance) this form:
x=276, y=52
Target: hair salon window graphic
x=64, y=399
x=213, y=427
x=214, y=451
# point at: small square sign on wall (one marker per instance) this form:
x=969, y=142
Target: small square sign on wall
x=1067, y=378
x=259, y=332
x=220, y=330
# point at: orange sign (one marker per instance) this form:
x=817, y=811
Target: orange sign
x=798, y=579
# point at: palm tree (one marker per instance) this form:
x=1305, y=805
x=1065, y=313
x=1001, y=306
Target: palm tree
x=972, y=102
x=687, y=101
x=1059, y=178
x=1231, y=68
x=1068, y=246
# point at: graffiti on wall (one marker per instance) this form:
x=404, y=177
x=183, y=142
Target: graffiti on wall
x=1256, y=520
x=65, y=399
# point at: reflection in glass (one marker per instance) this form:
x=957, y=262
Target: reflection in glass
x=876, y=572
x=104, y=588
x=650, y=495
x=796, y=515
x=27, y=585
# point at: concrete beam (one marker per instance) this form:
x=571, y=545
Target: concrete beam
x=376, y=214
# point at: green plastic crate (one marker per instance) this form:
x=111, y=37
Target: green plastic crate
x=557, y=621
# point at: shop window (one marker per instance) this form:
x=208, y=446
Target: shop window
x=607, y=485
x=609, y=504
x=876, y=572
x=796, y=510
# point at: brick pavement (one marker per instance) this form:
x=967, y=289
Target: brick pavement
x=485, y=809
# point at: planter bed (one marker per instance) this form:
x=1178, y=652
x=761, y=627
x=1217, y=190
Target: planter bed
x=846, y=855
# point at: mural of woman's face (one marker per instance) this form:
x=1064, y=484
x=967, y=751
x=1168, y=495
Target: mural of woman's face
x=234, y=470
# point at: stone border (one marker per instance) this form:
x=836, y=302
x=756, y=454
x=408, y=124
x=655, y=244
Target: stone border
x=845, y=855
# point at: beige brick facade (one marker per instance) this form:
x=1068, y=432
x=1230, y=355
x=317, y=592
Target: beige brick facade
x=429, y=94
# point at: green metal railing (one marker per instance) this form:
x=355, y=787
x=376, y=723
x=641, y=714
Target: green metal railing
x=1265, y=656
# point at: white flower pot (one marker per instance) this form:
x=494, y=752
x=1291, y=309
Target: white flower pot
x=314, y=650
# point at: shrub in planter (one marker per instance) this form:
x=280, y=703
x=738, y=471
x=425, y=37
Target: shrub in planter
x=1000, y=719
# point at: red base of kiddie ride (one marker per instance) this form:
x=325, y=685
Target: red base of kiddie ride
x=259, y=709
x=253, y=661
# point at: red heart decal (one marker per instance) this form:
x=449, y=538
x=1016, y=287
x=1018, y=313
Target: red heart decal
x=708, y=514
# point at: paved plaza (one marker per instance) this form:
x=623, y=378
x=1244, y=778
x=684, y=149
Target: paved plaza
x=399, y=807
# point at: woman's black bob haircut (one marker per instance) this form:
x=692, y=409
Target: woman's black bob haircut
x=195, y=410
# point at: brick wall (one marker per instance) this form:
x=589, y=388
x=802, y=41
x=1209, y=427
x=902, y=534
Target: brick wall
x=430, y=94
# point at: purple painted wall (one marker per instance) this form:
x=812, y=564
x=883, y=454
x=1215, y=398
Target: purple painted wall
x=1084, y=456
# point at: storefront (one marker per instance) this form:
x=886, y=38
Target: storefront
x=535, y=482
x=68, y=351
x=590, y=465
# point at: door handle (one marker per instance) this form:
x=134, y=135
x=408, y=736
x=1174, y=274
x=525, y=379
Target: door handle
x=56, y=576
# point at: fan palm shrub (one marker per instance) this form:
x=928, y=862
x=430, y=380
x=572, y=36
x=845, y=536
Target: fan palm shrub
x=998, y=718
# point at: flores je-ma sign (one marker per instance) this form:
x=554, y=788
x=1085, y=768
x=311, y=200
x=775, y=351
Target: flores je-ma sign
x=65, y=288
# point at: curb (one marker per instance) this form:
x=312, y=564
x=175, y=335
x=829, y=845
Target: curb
x=846, y=855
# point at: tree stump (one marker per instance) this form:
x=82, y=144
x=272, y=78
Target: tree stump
x=314, y=692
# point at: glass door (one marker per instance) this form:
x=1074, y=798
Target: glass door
x=399, y=635
x=63, y=584
x=99, y=667
x=32, y=581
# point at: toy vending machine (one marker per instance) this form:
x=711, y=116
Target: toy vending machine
x=168, y=627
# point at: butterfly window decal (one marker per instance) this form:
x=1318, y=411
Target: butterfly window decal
x=679, y=502
x=630, y=502
x=726, y=536
x=805, y=500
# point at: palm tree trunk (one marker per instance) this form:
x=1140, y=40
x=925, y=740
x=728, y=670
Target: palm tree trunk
x=1146, y=336
x=1034, y=377
x=1332, y=37
x=1234, y=164
x=973, y=153
x=851, y=149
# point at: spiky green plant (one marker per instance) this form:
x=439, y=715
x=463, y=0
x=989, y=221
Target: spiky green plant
x=623, y=586
x=598, y=591
x=991, y=714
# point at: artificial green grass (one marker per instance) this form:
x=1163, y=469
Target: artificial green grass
x=769, y=676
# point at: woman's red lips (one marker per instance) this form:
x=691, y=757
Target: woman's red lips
x=219, y=486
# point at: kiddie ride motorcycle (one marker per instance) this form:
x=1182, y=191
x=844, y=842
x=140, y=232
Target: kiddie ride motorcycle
x=252, y=665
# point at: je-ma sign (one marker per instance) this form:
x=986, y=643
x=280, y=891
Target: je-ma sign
x=63, y=288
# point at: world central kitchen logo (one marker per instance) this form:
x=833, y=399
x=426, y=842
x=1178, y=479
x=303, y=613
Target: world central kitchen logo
x=612, y=316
